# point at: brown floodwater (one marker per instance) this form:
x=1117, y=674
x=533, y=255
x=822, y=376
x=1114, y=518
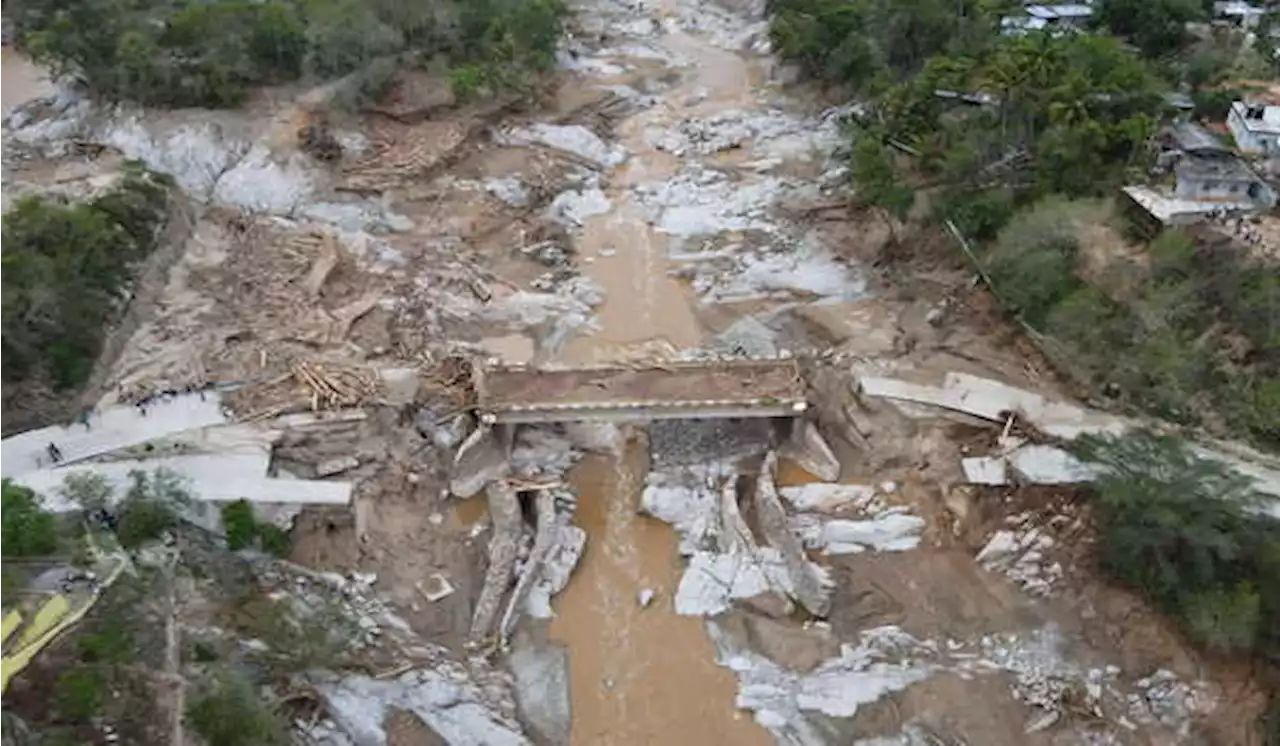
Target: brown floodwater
x=638, y=675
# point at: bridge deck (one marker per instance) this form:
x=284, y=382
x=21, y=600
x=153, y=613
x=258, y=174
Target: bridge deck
x=755, y=388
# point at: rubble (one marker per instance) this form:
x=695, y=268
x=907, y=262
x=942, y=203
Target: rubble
x=991, y=400
x=885, y=527
x=573, y=206
x=886, y=660
x=573, y=139
x=809, y=450
x=810, y=585
x=438, y=588
x=1020, y=553
x=336, y=466
x=445, y=697
x=541, y=672
x=508, y=531
x=510, y=191
x=892, y=531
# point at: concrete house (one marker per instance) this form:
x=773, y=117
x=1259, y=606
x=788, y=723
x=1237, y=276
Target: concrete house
x=1063, y=18
x=1227, y=180
x=1210, y=178
x=1256, y=127
x=1239, y=14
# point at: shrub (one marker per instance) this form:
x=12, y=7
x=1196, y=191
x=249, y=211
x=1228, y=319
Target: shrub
x=79, y=693
x=150, y=508
x=28, y=530
x=230, y=712
x=239, y=524
x=1184, y=531
x=111, y=643
x=244, y=530
x=274, y=540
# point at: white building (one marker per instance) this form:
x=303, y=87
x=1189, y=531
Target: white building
x=1221, y=179
x=1052, y=18
x=1256, y=128
x=1239, y=13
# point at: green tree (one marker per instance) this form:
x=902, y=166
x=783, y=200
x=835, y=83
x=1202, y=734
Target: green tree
x=1185, y=530
x=230, y=712
x=150, y=507
x=878, y=183
x=79, y=693
x=28, y=530
x=1157, y=27
x=239, y=524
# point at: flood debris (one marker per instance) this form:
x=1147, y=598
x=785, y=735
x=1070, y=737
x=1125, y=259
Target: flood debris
x=541, y=672
x=809, y=450
x=445, y=697
x=1021, y=552
x=810, y=586
x=573, y=139
x=504, y=545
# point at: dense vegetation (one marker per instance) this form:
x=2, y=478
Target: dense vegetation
x=1013, y=138
x=1188, y=333
x=29, y=531
x=1182, y=530
x=1019, y=142
x=212, y=52
x=67, y=270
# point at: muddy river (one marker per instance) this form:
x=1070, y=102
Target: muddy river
x=645, y=675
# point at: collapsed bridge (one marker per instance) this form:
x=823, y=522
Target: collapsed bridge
x=515, y=394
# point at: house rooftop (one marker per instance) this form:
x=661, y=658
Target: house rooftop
x=1215, y=169
x=1269, y=122
x=1237, y=8
x=1192, y=138
x=1171, y=210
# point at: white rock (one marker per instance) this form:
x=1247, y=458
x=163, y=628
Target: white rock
x=1001, y=544
x=645, y=597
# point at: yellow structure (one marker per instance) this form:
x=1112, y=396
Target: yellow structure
x=25, y=635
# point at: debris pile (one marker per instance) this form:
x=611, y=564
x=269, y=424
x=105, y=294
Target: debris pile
x=1022, y=553
x=1163, y=698
x=880, y=526
x=885, y=661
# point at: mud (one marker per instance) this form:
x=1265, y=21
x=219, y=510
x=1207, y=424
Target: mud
x=671, y=219
x=23, y=80
x=639, y=674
